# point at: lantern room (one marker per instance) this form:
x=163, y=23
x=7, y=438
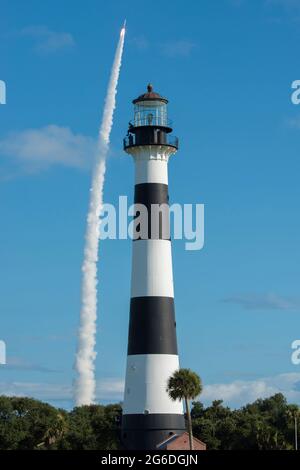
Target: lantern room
x=150, y=124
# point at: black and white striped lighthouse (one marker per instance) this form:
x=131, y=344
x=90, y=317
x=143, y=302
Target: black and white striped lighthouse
x=149, y=415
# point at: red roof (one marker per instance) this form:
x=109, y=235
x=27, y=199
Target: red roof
x=164, y=444
x=150, y=96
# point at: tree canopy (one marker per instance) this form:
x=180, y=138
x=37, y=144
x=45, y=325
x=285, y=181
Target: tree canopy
x=26, y=423
x=184, y=383
x=265, y=424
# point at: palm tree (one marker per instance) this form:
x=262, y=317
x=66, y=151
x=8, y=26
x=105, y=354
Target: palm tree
x=185, y=385
x=54, y=432
x=293, y=413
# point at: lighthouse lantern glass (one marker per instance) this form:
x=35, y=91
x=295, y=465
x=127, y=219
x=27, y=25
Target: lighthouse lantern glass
x=150, y=113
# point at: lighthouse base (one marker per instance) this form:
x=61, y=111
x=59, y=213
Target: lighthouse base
x=145, y=432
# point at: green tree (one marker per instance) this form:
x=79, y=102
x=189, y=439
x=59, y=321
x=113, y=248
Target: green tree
x=30, y=424
x=24, y=422
x=93, y=427
x=214, y=425
x=185, y=385
x=55, y=432
x=293, y=416
x=265, y=424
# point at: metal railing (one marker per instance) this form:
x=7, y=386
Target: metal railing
x=151, y=120
x=169, y=140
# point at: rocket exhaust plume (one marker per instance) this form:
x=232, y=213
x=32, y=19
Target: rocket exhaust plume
x=85, y=384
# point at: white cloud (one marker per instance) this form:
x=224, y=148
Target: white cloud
x=267, y=301
x=17, y=363
x=240, y=392
x=234, y=394
x=41, y=391
x=170, y=48
x=284, y=3
x=47, y=40
x=178, y=48
x=140, y=42
x=288, y=5
x=107, y=389
x=38, y=149
x=110, y=389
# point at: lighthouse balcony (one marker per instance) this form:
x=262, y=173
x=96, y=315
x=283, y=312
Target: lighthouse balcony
x=156, y=138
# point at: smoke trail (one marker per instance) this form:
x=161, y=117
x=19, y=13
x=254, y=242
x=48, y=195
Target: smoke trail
x=85, y=385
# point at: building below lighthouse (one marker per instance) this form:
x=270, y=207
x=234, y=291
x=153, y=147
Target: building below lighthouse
x=149, y=415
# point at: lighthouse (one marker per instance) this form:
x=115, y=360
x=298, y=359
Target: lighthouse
x=149, y=415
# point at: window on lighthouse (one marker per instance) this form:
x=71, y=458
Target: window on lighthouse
x=150, y=113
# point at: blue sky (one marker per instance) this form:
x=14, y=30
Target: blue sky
x=226, y=67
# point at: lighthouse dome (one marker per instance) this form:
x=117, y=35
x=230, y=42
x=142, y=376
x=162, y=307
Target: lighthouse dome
x=150, y=96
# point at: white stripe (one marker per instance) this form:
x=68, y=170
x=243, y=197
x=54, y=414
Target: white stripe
x=151, y=171
x=152, y=273
x=151, y=163
x=146, y=381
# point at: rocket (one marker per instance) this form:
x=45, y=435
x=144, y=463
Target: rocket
x=123, y=29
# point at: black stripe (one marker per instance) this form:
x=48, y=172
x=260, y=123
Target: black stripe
x=146, y=432
x=149, y=194
x=152, y=327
